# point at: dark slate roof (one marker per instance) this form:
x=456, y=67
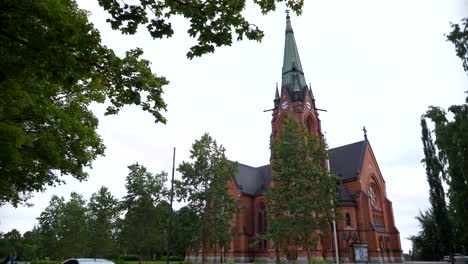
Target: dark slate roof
x=346, y=161
x=252, y=181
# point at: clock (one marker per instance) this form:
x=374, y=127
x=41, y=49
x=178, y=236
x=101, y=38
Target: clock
x=284, y=105
x=309, y=105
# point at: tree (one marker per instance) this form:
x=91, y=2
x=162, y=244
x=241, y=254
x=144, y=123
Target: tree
x=144, y=192
x=446, y=158
x=53, y=67
x=301, y=198
x=31, y=245
x=459, y=37
x=442, y=233
x=49, y=225
x=73, y=229
x=104, y=211
x=451, y=142
x=425, y=243
x=204, y=185
x=12, y=244
x=212, y=22
x=185, y=231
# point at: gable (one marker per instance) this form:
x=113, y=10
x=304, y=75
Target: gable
x=252, y=181
x=346, y=161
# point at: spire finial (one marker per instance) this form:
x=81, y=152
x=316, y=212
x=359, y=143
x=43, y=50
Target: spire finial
x=365, y=132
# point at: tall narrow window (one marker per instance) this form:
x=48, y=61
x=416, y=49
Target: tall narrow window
x=262, y=220
x=348, y=219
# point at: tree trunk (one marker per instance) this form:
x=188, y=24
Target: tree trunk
x=308, y=250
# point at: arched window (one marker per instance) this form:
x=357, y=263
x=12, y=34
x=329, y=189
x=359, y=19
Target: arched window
x=310, y=124
x=262, y=221
x=348, y=219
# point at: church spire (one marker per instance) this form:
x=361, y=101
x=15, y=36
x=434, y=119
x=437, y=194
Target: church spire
x=292, y=74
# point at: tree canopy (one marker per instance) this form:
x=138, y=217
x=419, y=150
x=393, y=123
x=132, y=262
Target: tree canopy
x=53, y=67
x=444, y=228
x=213, y=23
x=205, y=186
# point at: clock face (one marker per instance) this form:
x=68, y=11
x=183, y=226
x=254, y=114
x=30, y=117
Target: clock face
x=309, y=105
x=284, y=105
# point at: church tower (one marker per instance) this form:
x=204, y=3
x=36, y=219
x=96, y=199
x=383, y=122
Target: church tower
x=296, y=98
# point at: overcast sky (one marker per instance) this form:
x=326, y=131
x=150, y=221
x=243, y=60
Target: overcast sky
x=378, y=64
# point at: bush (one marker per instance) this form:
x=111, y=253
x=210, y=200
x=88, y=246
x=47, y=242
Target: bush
x=128, y=258
x=176, y=258
x=173, y=258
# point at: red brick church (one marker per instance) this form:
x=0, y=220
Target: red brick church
x=367, y=231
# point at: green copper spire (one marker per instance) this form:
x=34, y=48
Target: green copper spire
x=292, y=74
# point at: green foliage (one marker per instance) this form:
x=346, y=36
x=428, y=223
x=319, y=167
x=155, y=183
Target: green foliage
x=53, y=67
x=103, y=214
x=173, y=258
x=128, y=258
x=184, y=231
x=451, y=143
x=441, y=237
x=301, y=199
x=146, y=213
x=425, y=243
x=44, y=262
x=213, y=23
x=204, y=186
x=459, y=37
x=444, y=231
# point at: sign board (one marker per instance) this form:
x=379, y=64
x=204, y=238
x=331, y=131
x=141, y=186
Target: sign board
x=360, y=252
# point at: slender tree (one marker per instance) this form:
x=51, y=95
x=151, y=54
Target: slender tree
x=204, y=186
x=442, y=235
x=103, y=213
x=49, y=226
x=301, y=198
x=72, y=231
x=144, y=192
x=446, y=159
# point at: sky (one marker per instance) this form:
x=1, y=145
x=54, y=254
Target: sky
x=377, y=64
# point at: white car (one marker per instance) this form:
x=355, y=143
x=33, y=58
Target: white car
x=87, y=261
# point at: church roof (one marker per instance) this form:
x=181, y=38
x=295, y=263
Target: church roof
x=346, y=161
x=252, y=181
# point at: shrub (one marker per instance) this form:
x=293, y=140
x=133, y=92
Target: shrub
x=128, y=258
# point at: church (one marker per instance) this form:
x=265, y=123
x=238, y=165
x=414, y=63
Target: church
x=365, y=233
